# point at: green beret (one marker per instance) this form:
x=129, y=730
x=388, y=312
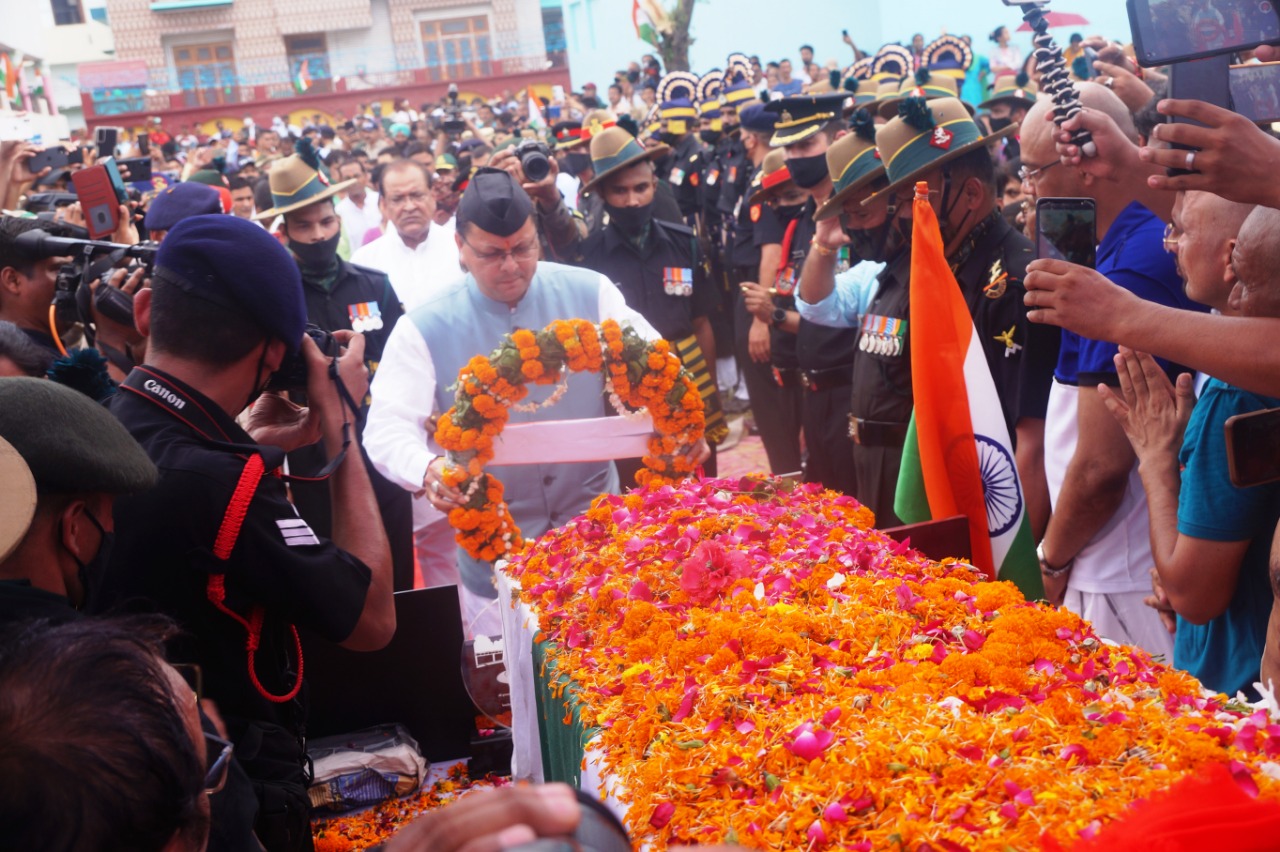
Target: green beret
x=71, y=443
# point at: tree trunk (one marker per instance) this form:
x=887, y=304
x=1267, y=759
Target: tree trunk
x=675, y=46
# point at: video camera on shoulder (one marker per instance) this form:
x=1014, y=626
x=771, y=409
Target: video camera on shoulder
x=74, y=298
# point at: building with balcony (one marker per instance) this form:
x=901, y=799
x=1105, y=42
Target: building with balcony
x=197, y=62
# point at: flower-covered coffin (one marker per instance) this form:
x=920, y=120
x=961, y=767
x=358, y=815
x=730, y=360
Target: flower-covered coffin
x=761, y=666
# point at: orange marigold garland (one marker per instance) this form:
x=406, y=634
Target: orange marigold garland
x=763, y=667
x=638, y=375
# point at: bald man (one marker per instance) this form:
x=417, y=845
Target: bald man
x=1096, y=552
x=1210, y=540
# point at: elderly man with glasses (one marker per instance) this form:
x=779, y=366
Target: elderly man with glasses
x=1096, y=552
x=506, y=288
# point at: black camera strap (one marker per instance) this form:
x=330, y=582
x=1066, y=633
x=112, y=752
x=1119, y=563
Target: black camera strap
x=158, y=390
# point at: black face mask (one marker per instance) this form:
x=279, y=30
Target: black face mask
x=91, y=573
x=710, y=137
x=788, y=212
x=998, y=124
x=631, y=221
x=876, y=244
x=808, y=172
x=575, y=163
x=671, y=139
x=316, y=255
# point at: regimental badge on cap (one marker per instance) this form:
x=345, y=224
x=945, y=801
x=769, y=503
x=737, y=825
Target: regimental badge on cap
x=365, y=316
x=886, y=336
x=677, y=281
x=941, y=138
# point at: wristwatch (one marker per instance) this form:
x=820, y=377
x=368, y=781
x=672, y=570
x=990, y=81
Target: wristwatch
x=1047, y=569
x=779, y=316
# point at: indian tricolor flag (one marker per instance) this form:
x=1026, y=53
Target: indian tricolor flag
x=958, y=459
x=302, y=80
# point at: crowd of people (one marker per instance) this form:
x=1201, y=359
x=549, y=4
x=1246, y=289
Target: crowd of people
x=225, y=432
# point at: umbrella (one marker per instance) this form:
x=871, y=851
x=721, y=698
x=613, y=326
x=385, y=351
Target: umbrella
x=1058, y=19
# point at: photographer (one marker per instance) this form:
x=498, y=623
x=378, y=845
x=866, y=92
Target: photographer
x=217, y=544
x=28, y=282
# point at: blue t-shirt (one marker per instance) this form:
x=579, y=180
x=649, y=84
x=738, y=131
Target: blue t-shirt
x=1132, y=256
x=794, y=87
x=1226, y=653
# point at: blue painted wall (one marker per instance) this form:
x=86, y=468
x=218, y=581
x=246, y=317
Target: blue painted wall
x=601, y=38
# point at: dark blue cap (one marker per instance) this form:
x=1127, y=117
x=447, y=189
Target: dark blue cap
x=756, y=118
x=181, y=201
x=235, y=263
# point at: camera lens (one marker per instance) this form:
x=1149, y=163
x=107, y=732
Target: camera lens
x=536, y=165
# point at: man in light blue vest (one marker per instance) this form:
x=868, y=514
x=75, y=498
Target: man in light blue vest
x=506, y=289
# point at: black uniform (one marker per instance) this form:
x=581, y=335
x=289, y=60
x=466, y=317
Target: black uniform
x=363, y=294
x=990, y=268
x=664, y=282
x=722, y=163
x=163, y=560
x=824, y=356
x=683, y=170
x=778, y=412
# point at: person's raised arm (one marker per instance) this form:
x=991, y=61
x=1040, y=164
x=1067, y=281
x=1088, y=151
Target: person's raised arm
x=1082, y=300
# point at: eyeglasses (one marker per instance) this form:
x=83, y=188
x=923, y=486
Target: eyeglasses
x=520, y=254
x=418, y=198
x=1029, y=175
x=215, y=775
x=1171, y=237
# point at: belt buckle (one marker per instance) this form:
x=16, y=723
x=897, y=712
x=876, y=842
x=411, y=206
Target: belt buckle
x=854, y=430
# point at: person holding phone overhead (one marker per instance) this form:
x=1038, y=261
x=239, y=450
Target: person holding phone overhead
x=1096, y=552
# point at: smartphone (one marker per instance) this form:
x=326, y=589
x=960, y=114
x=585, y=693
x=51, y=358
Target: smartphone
x=139, y=168
x=1207, y=80
x=144, y=143
x=1253, y=447
x=1067, y=229
x=117, y=182
x=106, y=139
x=1255, y=91
x=1168, y=31
x=55, y=158
x=98, y=200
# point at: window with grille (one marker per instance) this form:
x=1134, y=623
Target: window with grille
x=206, y=73
x=457, y=48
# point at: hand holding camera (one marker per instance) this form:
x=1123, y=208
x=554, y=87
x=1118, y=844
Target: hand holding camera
x=534, y=166
x=331, y=400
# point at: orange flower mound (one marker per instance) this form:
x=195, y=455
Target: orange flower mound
x=378, y=824
x=765, y=668
x=641, y=374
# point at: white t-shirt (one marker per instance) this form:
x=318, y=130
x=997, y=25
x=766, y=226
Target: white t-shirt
x=416, y=273
x=356, y=221
x=1118, y=558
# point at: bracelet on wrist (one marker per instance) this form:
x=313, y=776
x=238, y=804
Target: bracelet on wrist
x=1048, y=570
x=822, y=250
